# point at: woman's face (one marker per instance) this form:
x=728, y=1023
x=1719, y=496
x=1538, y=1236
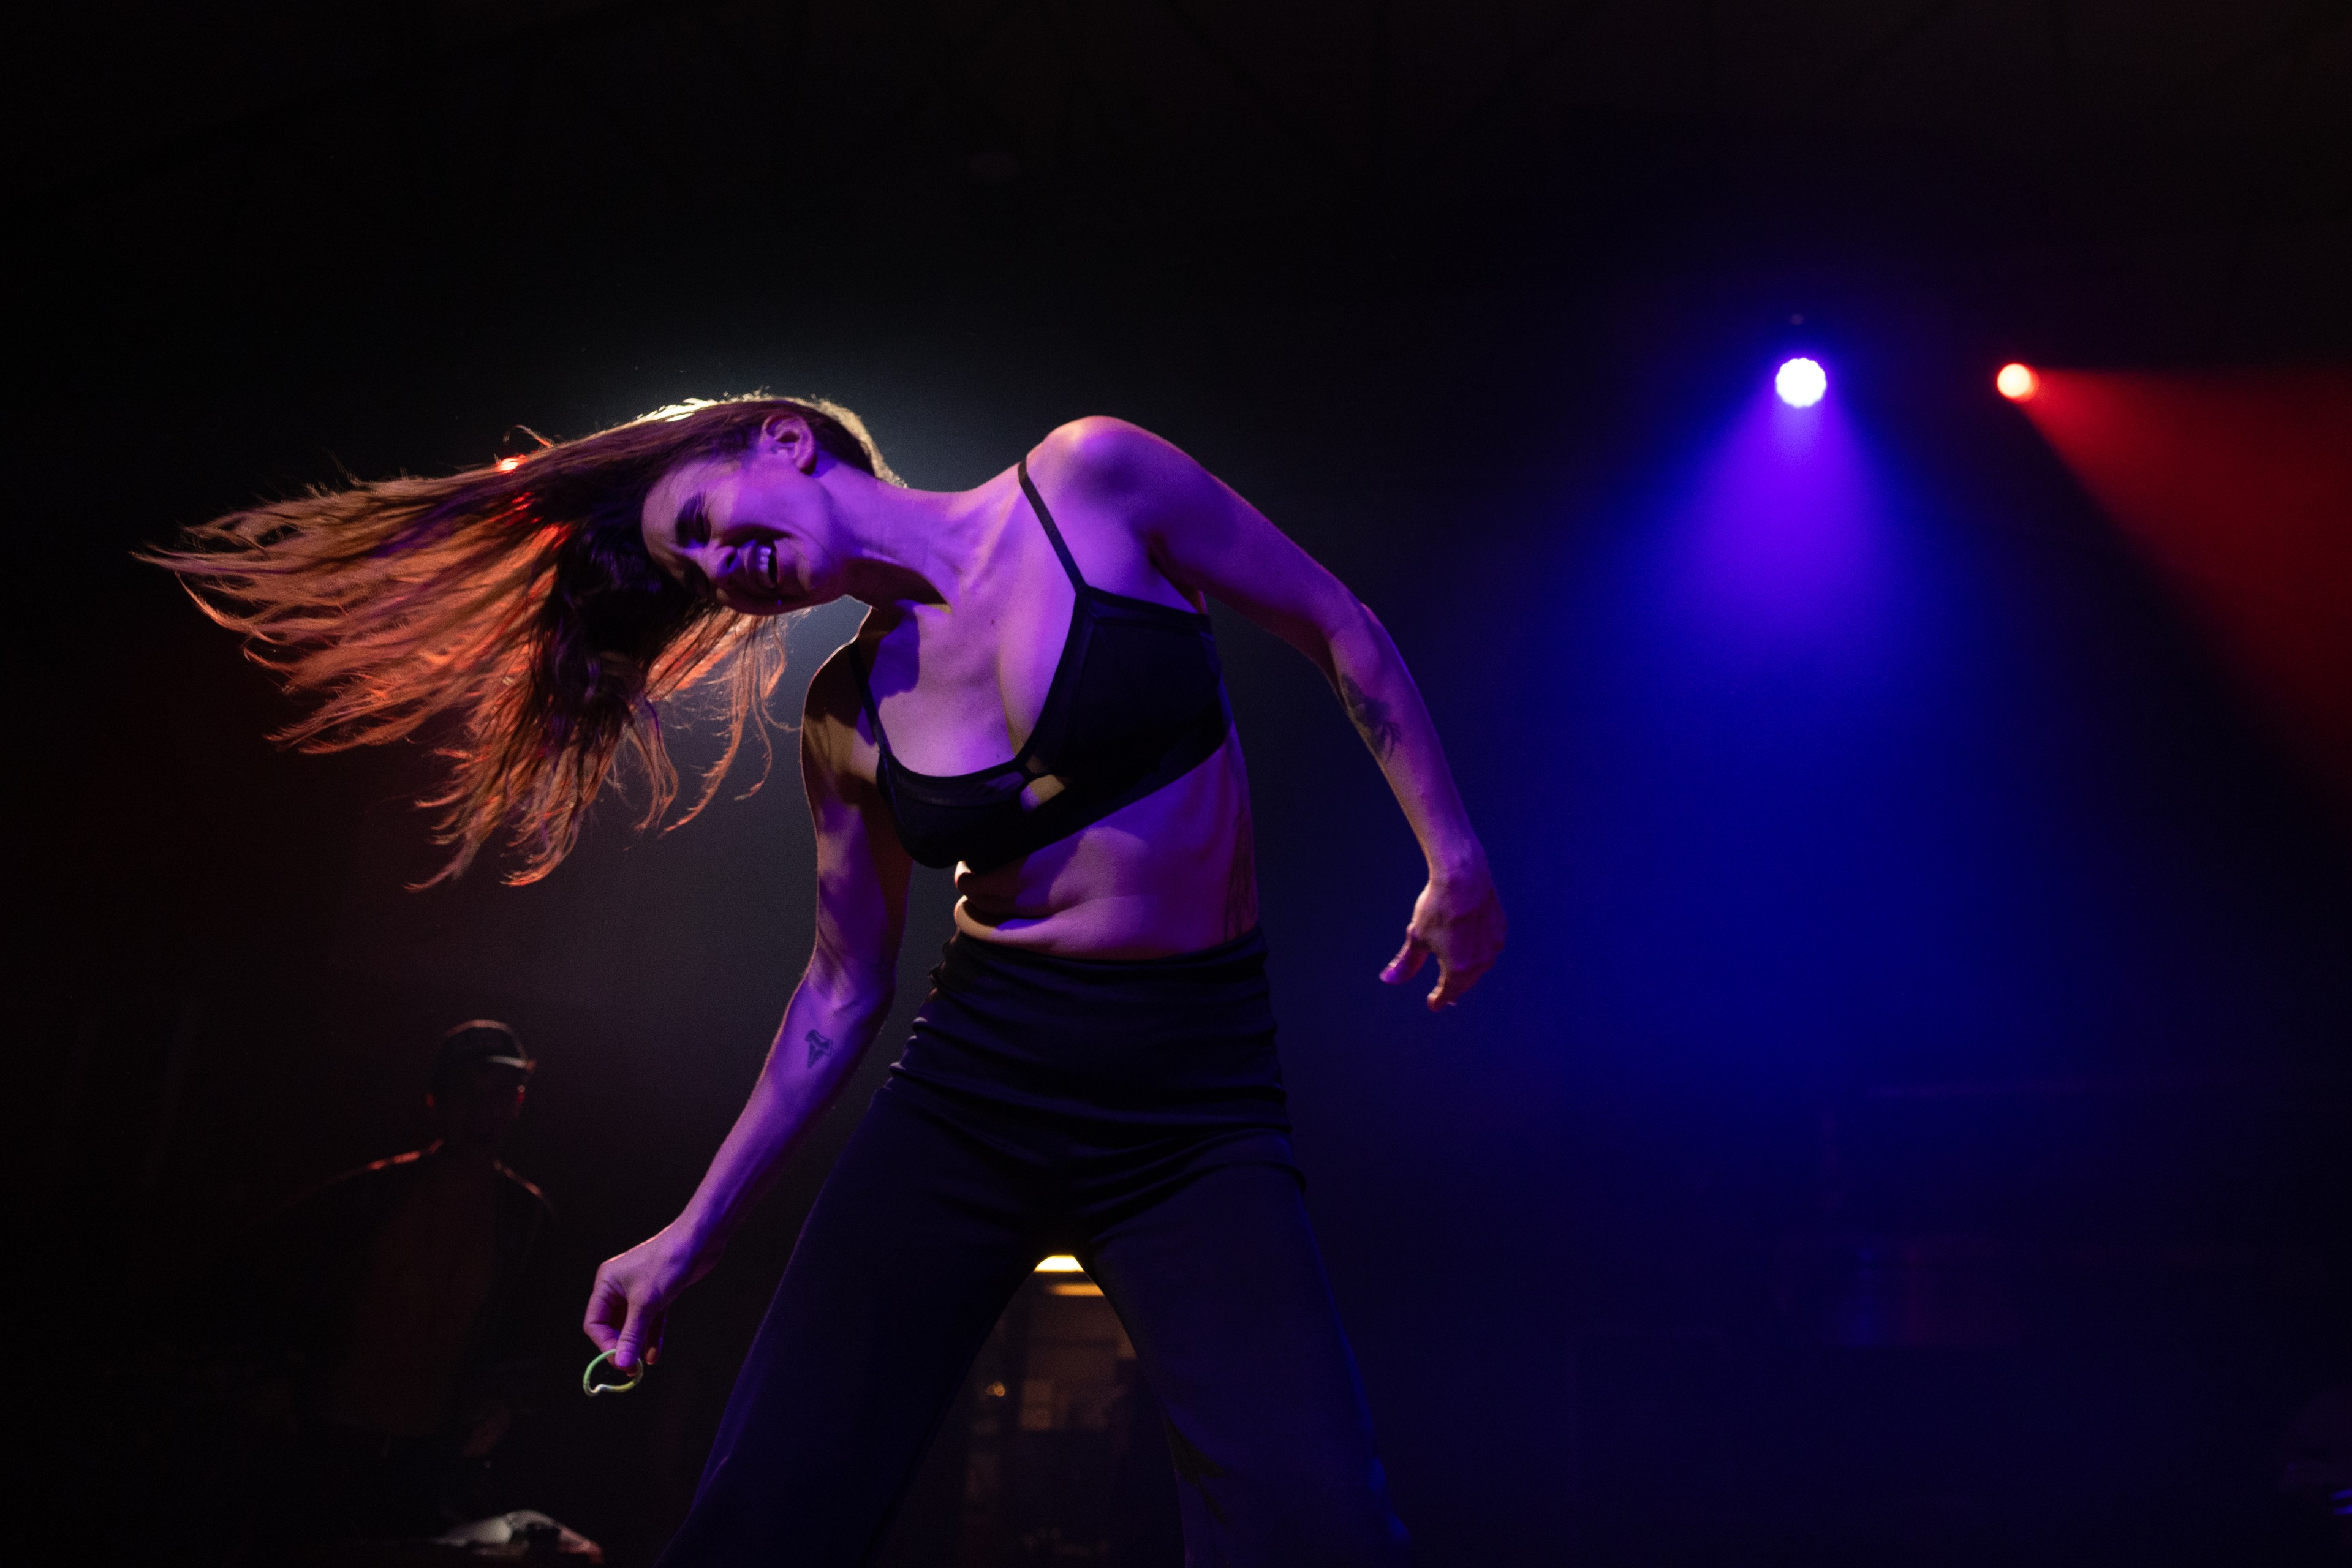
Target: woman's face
x=753, y=532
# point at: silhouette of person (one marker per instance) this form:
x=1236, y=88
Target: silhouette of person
x=390, y=1320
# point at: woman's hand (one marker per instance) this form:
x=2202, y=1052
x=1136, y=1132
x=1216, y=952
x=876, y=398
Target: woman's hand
x=1459, y=921
x=629, y=1308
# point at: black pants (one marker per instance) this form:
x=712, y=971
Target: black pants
x=1131, y=1113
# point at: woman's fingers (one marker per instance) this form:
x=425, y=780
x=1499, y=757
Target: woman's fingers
x=644, y=1329
x=1464, y=957
x=624, y=1315
x=1407, y=960
x=608, y=1308
x=628, y=1311
x=1452, y=984
x=1460, y=926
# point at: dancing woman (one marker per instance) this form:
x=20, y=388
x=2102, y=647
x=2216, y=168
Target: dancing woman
x=1033, y=698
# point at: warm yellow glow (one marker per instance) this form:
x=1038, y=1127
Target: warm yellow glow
x=2017, y=383
x=1087, y=1289
x=1060, y=1263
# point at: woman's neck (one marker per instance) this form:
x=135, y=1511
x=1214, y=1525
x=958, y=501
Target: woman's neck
x=909, y=547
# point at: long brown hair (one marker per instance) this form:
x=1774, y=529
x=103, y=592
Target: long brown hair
x=517, y=601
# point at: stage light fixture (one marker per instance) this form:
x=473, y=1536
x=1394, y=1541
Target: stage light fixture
x=1060, y=1263
x=1800, y=382
x=2017, y=383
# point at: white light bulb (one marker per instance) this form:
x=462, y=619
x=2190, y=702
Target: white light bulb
x=1801, y=384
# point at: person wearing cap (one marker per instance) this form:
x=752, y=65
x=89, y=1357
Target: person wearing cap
x=391, y=1319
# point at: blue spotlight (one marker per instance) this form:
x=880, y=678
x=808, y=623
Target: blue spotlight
x=1801, y=382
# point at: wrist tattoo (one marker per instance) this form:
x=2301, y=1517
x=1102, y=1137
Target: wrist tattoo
x=1372, y=719
x=818, y=1047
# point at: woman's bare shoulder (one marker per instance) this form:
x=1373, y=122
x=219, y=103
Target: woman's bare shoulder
x=1123, y=469
x=1102, y=451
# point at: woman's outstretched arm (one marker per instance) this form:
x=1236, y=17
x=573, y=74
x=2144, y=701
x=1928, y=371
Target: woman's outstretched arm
x=862, y=879
x=1203, y=536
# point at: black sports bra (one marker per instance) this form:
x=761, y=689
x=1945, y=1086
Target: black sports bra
x=1137, y=701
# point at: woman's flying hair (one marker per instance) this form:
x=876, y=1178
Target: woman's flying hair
x=519, y=603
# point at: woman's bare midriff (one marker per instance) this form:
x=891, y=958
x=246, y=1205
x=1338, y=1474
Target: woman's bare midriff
x=1172, y=872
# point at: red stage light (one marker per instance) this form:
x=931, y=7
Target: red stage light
x=2017, y=383
x=2237, y=484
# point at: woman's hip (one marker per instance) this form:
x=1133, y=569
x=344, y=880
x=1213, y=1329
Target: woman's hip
x=1158, y=1043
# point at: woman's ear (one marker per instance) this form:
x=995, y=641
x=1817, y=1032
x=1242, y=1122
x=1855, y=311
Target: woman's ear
x=787, y=435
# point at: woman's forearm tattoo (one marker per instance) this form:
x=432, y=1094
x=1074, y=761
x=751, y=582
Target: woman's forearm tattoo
x=1373, y=721
x=818, y=1047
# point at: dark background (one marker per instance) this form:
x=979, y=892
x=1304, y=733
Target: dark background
x=1997, y=914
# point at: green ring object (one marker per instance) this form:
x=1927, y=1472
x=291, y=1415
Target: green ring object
x=590, y=1388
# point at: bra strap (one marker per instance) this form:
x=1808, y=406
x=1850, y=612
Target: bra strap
x=1038, y=503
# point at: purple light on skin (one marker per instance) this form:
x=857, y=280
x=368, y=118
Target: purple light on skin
x=1801, y=382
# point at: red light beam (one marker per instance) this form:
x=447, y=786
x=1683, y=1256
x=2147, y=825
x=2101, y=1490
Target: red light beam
x=2238, y=485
